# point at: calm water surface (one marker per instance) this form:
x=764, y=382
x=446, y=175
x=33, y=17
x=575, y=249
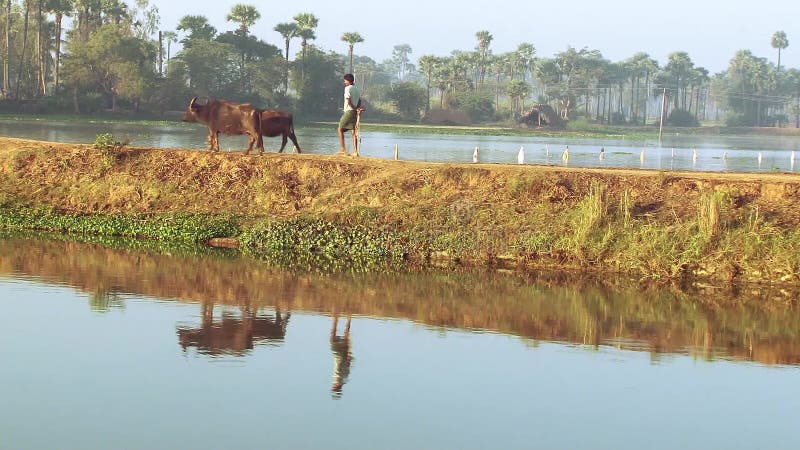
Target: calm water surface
x=714, y=153
x=115, y=348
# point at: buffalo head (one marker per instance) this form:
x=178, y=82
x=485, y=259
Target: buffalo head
x=192, y=111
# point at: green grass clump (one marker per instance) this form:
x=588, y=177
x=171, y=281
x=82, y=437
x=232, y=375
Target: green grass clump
x=166, y=227
x=313, y=242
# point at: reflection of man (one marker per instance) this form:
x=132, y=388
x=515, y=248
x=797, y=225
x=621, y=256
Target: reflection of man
x=340, y=346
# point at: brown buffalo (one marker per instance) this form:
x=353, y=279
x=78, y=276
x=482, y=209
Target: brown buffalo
x=222, y=116
x=274, y=123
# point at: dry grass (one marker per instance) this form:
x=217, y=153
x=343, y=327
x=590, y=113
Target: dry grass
x=650, y=222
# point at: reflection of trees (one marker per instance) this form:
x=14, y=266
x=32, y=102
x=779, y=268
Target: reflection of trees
x=234, y=334
x=758, y=325
x=103, y=301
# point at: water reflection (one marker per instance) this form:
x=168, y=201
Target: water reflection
x=342, y=355
x=252, y=301
x=234, y=334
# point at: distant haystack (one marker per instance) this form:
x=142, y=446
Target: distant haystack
x=541, y=116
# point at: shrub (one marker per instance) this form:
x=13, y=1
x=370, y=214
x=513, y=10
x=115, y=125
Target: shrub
x=682, y=118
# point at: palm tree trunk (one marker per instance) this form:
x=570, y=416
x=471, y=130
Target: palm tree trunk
x=351, y=59
x=75, y=106
x=428, y=102
x=42, y=87
x=646, y=97
x=59, y=17
x=22, y=55
x=7, y=62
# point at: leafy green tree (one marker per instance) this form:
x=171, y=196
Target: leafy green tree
x=112, y=63
x=779, y=41
x=400, y=58
x=408, y=99
x=479, y=107
x=352, y=39
x=319, y=89
x=746, y=88
x=210, y=67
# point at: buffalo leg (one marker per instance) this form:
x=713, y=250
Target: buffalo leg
x=294, y=141
x=283, y=144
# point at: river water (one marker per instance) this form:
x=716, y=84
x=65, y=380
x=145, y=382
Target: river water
x=110, y=347
x=704, y=153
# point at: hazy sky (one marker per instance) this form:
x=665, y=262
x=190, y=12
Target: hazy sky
x=710, y=31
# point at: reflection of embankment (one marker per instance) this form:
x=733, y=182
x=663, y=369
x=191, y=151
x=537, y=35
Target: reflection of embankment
x=759, y=325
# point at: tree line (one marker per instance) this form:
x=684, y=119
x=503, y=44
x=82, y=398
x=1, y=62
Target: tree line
x=115, y=56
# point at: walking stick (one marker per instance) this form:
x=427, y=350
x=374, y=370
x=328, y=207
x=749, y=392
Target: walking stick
x=357, y=134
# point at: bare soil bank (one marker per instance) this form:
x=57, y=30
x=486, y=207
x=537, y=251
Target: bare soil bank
x=656, y=223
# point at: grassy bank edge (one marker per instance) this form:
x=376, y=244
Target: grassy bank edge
x=701, y=250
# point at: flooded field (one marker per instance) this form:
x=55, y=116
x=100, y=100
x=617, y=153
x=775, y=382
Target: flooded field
x=706, y=153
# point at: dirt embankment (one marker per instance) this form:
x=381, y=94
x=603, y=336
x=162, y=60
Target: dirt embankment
x=567, y=216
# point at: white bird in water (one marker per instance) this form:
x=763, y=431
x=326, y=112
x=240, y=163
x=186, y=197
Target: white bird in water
x=725, y=156
x=521, y=156
x=759, y=159
x=694, y=155
x=475, y=155
x=565, y=155
x=641, y=156
x=673, y=152
x=547, y=150
x=602, y=153
x=792, y=156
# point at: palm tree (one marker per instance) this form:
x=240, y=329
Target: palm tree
x=352, y=39
x=245, y=16
x=289, y=31
x=306, y=23
x=428, y=64
x=780, y=42
x=484, y=40
x=60, y=8
x=170, y=37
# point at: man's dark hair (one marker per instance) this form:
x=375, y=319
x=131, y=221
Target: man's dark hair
x=349, y=77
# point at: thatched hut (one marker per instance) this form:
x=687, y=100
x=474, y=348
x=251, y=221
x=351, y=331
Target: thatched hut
x=541, y=116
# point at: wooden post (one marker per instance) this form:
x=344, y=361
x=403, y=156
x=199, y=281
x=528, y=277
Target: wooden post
x=396, y=152
x=661, y=123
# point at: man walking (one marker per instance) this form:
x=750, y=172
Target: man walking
x=352, y=107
